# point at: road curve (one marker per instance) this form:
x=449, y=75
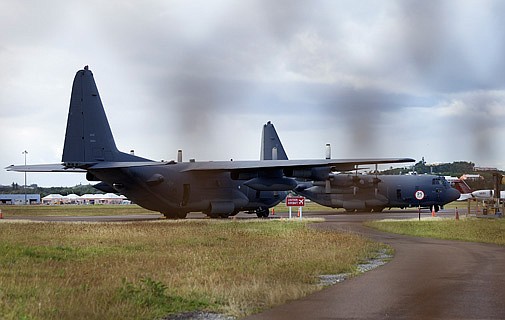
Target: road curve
x=427, y=279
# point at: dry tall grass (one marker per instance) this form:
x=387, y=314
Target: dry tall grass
x=144, y=270
x=69, y=210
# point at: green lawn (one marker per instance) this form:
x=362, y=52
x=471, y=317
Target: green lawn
x=466, y=229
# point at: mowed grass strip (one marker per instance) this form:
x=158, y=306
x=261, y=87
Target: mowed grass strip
x=470, y=229
x=146, y=270
x=309, y=206
x=72, y=210
x=110, y=210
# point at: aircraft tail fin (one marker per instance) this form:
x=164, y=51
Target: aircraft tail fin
x=271, y=146
x=88, y=137
x=462, y=186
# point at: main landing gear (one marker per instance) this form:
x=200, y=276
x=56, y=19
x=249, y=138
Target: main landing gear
x=262, y=212
x=175, y=215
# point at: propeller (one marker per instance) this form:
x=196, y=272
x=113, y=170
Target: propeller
x=376, y=180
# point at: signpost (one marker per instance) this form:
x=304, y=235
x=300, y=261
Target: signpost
x=295, y=202
x=419, y=196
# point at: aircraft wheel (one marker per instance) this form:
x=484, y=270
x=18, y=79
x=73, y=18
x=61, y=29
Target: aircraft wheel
x=377, y=209
x=234, y=213
x=262, y=212
x=181, y=215
x=218, y=215
x=170, y=215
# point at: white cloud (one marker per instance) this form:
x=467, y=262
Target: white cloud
x=391, y=79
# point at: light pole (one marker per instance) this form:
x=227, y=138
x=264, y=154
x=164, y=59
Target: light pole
x=25, y=153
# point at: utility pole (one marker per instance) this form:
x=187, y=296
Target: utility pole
x=497, y=179
x=25, y=153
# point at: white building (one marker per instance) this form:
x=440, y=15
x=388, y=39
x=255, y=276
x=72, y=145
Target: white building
x=108, y=198
x=19, y=198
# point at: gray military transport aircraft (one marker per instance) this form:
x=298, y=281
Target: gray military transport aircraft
x=370, y=192
x=216, y=188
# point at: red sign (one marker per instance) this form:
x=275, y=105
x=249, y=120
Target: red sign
x=295, y=201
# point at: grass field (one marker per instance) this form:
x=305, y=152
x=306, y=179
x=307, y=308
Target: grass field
x=146, y=270
x=109, y=210
x=75, y=210
x=469, y=229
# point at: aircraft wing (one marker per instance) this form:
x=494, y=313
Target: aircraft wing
x=277, y=175
x=334, y=164
x=237, y=166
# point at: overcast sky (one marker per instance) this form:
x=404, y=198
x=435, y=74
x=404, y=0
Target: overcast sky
x=372, y=78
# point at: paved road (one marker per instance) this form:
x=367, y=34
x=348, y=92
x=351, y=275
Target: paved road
x=427, y=279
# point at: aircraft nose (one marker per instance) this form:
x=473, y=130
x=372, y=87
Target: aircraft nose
x=452, y=194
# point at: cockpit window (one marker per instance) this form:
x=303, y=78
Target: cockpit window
x=440, y=181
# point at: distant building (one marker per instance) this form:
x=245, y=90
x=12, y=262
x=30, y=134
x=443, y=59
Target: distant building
x=108, y=198
x=53, y=199
x=19, y=198
x=471, y=177
x=484, y=169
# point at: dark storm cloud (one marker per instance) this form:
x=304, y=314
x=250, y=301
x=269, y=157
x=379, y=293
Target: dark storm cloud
x=223, y=73
x=424, y=29
x=361, y=111
x=218, y=74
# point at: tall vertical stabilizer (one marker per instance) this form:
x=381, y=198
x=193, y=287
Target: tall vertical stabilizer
x=271, y=144
x=88, y=138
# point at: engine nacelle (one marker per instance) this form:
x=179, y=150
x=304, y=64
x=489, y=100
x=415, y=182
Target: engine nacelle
x=102, y=186
x=271, y=184
x=91, y=177
x=238, y=175
x=342, y=180
x=360, y=181
x=318, y=174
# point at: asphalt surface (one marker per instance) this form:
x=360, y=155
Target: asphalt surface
x=427, y=279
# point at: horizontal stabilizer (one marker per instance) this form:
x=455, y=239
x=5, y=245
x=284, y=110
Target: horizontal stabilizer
x=60, y=167
x=55, y=167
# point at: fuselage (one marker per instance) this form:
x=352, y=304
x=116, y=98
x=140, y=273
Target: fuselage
x=486, y=194
x=174, y=192
x=374, y=193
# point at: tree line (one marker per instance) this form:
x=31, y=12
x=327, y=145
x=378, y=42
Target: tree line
x=454, y=169
x=79, y=190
